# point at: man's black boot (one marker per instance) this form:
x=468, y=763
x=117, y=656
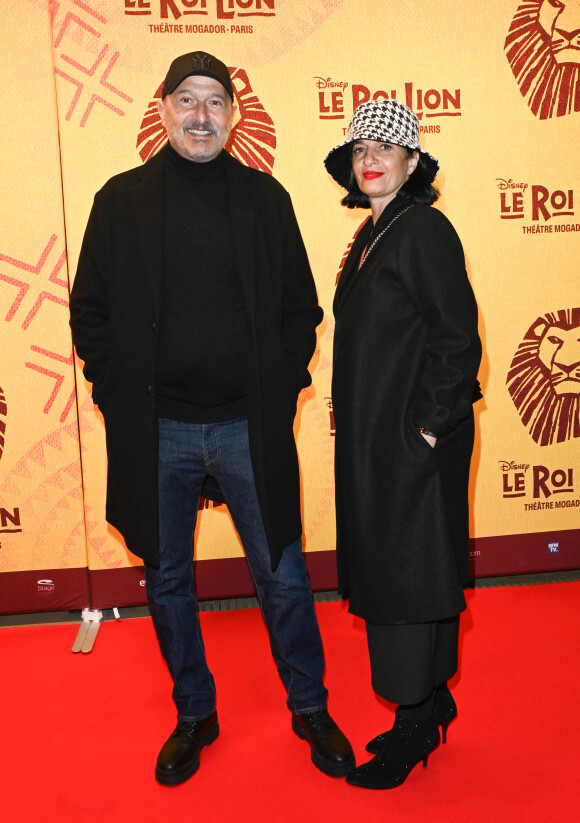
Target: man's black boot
x=330, y=750
x=179, y=758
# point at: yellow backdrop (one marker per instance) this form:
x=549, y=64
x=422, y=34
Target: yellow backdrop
x=498, y=96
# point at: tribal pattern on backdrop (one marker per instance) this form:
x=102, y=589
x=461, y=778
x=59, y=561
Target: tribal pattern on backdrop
x=496, y=87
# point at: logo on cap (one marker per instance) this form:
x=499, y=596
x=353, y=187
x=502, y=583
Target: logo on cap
x=202, y=62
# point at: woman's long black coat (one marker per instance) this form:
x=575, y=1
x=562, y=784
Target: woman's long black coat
x=406, y=354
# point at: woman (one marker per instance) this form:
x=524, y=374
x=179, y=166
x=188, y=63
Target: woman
x=406, y=354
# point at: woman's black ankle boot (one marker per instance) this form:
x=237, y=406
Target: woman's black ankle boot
x=444, y=711
x=408, y=743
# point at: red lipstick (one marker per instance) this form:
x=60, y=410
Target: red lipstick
x=372, y=175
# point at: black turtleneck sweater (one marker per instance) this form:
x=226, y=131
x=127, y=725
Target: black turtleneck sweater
x=201, y=357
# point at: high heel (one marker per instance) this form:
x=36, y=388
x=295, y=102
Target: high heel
x=408, y=744
x=444, y=710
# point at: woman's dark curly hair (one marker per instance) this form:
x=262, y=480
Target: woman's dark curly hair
x=416, y=188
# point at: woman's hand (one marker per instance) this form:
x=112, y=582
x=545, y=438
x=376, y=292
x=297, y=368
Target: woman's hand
x=430, y=438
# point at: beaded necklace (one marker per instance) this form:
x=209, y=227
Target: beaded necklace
x=380, y=234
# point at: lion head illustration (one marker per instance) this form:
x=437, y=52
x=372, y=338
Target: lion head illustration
x=543, y=49
x=252, y=138
x=544, y=377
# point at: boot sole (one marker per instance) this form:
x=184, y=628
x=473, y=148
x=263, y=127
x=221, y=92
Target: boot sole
x=393, y=783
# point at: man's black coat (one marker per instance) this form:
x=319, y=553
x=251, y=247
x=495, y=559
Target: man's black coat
x=115, y=308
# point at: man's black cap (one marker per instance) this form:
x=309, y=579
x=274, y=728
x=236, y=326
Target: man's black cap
x=196, y=62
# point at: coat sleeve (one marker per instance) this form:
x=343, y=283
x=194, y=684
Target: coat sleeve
x=301, y=312
x=433, y=264
x=89, y=314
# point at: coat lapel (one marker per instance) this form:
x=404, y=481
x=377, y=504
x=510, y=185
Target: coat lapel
x=242, y=221
x=349, y=272
x=148, y=205
x=353, y=264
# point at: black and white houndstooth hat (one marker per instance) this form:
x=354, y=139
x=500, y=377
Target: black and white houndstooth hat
x=385, y=120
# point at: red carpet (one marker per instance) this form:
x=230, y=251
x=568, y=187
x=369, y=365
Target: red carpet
x=81, y=733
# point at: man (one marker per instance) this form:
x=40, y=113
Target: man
x=195, y=310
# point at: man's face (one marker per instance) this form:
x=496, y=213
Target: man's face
x=197, y=117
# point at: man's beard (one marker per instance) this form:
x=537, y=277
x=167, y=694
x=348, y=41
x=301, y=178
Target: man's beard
x=202, y=151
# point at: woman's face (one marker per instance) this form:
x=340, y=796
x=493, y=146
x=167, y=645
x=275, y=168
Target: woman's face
x=381, y=168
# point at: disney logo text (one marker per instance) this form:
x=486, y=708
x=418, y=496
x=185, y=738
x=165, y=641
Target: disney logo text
x=329, y=83
x=509, y=184
x=509, y=465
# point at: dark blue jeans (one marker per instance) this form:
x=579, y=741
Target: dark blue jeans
x=187, y=452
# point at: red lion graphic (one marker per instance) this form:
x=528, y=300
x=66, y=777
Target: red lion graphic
x=251, y=140
x=543, y=49
x=544, y=377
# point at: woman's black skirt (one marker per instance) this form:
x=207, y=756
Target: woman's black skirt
x=409, y=661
